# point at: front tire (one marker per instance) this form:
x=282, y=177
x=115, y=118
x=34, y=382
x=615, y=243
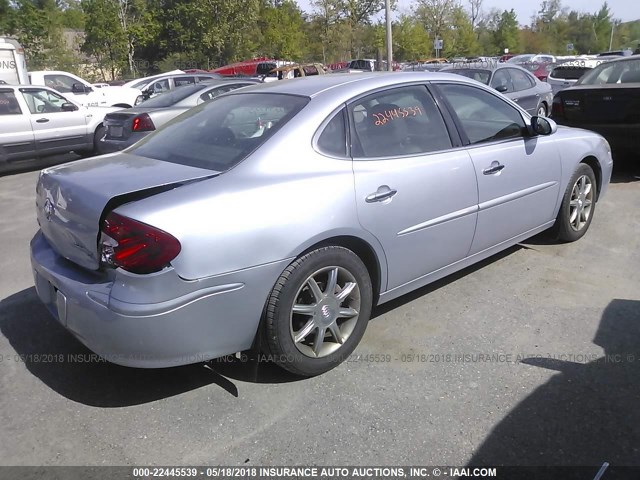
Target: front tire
x=578, y=205
x=542, y=110
x=318, y=311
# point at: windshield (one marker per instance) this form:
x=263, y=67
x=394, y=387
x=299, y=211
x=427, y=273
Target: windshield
x=520, y=58
x=613, y=72
x=219, y=134
x=172, y=97
x=482, y=76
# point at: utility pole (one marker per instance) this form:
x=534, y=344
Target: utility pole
x=613, y=27
x=387, y=11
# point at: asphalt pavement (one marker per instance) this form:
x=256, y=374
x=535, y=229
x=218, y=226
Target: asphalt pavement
x=531, y=357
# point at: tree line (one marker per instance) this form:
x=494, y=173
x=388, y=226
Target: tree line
x=135, y=37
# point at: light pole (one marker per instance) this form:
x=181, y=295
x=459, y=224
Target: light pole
x=387, y=11
x=613, y=27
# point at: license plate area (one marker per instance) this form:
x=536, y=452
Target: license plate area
x=115, y=131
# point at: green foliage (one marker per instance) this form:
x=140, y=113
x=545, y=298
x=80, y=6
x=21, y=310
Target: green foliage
x=137, y=37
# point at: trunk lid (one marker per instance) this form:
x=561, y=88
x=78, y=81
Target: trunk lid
x=71, y=199
x=119, y=124
x=605, y=104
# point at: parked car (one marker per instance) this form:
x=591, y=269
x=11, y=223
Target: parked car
x=568, y=73
x=605, y=100
x=83, y=92
x=298, y=70
x=532, y=58
x=514, y=82
x=126, y=127
x=164, y=83
x=251, y=220
x=38, y=121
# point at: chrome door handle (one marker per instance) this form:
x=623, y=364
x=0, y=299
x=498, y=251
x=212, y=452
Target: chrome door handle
x=494, y=168
x=42, y=120
x=383, y=193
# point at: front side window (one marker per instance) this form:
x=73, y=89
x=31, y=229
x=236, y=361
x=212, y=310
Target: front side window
x=160, y=86
x=218, y=134
x=501, y=79
x=61, y=83
x=483, y=116
x=396, y=122
x=333, y=139
x=43, y=101
x=8, y=103
x=521, y=80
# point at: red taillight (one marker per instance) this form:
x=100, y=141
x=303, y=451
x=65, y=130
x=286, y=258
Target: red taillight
x=142, y=123
x=136, y=246
x=557, y=109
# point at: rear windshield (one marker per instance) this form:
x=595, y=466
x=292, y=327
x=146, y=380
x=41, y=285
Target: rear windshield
x=172, y=97
x=482, y=76
x=219, y=134
x=627, y=71
x=569, y=72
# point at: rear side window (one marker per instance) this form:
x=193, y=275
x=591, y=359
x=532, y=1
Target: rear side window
x=8, y=103
x=569, y=72
x=218, y=134
x=484, y=117
x=333, y=139
x=180, y=81
x=398, y=122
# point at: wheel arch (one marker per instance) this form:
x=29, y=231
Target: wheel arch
x=365, y=251
x=597, y=170
x=121, y=105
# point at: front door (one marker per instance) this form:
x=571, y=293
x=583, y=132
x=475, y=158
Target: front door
x=55, y=129
x=413, y=192
x=518, y=174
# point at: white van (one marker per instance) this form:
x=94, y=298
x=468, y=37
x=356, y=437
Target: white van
x=13, y=66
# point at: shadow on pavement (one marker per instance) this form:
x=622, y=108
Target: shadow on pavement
x=66, y=366
x=585, y=415
x=432, y=287
x=36, y=164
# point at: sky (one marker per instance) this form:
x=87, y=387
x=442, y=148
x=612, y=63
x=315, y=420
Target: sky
x=624, y=10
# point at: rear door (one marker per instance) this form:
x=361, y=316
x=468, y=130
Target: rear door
x=55, y=130
x=518, y=175
x=16, y=137
x=414, y=192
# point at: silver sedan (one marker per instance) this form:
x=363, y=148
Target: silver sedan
x=512, y=81
x=275, y=217
x=126, y=127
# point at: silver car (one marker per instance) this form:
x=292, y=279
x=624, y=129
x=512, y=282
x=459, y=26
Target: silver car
x=126, y=127
x=275, y=217
x=513, y=81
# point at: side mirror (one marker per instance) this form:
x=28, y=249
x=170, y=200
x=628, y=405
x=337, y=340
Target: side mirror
x=502, y=88
x=543, y=126
x=79, y=88
x=68, y=107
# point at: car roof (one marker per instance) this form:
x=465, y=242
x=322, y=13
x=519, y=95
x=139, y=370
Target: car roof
x=489, y=66
x=347, y=84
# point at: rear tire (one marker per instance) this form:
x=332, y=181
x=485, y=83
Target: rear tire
x=578, y=205
x=318, y=311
